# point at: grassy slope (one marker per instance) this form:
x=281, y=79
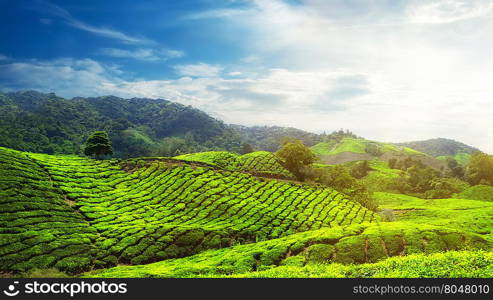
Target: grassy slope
x=358, y=145
x=462, y=158
x=473, y=215
x=381, y=178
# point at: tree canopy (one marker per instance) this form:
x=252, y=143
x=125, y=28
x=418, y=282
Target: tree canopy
x=98, y=144
x=296, y=156
x=480, y=169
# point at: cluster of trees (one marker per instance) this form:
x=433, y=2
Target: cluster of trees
x=480, y=169
x=337, y=135
x=299, y=160
x=418, y=179
x=423, y=181
x=341, y=178
x=373, y=149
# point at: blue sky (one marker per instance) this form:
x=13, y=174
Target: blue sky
x=389, y=70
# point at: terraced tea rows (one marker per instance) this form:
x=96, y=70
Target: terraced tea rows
x=164, y=210
x=222, y=159
x=257, y=163
x=262, y=163
x=38, y=229
x=363, y=243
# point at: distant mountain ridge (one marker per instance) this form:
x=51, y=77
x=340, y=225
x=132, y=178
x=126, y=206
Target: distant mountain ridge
x=46, y=123
x=440, y=147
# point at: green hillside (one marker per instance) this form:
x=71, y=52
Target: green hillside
x=135, y=212
x=38, y=226
x=346, y=149
x=424, y=239
x=361, y=146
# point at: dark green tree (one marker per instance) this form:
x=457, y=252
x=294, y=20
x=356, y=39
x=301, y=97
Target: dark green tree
x=246, y=148
x=373, y=149
x=392, y=163
x=360, y=169
x=456, y=170
x=98, y=144
x=480, y=169
x=296, y=157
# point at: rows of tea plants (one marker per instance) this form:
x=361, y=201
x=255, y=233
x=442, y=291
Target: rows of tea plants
x=261, y=163
x=164, y=210
x=222, y=159
x=258, y=163
x=38, y=228
x=354, y=244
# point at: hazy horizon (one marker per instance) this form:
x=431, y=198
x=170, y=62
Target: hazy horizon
x=392, y=71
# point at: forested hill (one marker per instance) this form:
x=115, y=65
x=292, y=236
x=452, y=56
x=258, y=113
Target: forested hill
x=440, y=147
x=268, y=137
x=37, y=122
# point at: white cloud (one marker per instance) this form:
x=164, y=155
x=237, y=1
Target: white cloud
x=3, y=57
x=447, y=11
x=70, y=20
x=65, y=76
x=198, y=70
x=423, y=80
x=324, y=65
x=144, y=54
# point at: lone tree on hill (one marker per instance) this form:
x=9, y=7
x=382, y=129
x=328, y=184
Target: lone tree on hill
x=297, y=157
x=246, y=148
x=98, y=144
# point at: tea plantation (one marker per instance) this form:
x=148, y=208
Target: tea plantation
x=216, y=214
x=153, y=211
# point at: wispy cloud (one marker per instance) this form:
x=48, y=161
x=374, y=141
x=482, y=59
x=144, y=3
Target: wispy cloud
x=70, y=20
x=144, y=54
x=447, y=11
x=198, y=70
x=215, y=14
x=3, y=57
x=66, y=76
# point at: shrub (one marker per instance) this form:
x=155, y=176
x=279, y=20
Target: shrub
x=319, y=253
x=387, y=215
x=478, y=192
